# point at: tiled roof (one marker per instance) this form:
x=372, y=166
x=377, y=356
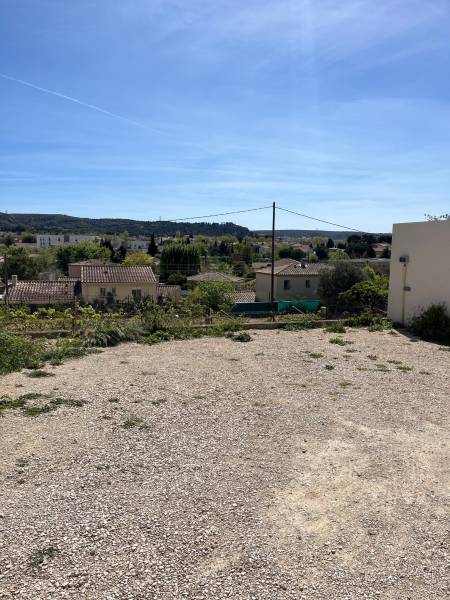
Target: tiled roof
x=42, y=292
x=214, y=276
x=296, y=268
x=168, y=291
x=243, y=296
x=116, y=274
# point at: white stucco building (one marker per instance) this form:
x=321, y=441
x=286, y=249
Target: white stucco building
x=46, y=240
x=420, y=268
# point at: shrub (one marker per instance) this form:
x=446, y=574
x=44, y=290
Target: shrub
x=335, y=281
x=17, y=352
x=111, y=333
x=212, y=295
x=309, y=321
x=365, y=294
x=339, y=341
x=336, y=328
x=242, y=336
x=433, y=324
x=370, y=320
x=158, y=336
x=176, y=279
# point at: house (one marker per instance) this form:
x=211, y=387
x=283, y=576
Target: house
x=296, y=280
x=48, y=240
x=60, y=291
x=93, y=281
x=420, y=268
x=116, y=283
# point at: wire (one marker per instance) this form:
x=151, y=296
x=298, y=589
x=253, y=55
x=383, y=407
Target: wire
x=321, y=220
x=234, y=212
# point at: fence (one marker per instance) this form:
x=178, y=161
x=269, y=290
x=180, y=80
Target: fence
x=265, y=308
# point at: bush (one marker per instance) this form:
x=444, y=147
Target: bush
x=334, y=282
x=158, y=336
x=212, y=295
x=17, y=352
x=370, y=320
x=365, y=294
x=336, y=328
x=433, y=324
x=242, y=336
x=303, y=322
x=111, y=333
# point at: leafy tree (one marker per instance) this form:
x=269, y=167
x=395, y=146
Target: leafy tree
x=28, y=238
x=119, y=255
x=77, y=252
x=386, y=252
x=338, y=255
x=19, y=262
x=176, y=279
x=322, y=252
x=289, y=252
x=152, y=249
x=330, y=243
x=214, y=295
x=137, y=258
x=179, y=258
x=362, y=296
x=334, y=281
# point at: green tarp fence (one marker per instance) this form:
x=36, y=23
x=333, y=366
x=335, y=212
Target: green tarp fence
x=264, y=308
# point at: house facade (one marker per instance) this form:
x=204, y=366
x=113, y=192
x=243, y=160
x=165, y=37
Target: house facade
x=116, y=283
x=48, y=240
x=420, y=268
x=92, y=282
x=293, y=281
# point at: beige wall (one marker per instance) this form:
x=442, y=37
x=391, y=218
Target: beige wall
x=427, y=244
x=91, y=291
x=297, y=291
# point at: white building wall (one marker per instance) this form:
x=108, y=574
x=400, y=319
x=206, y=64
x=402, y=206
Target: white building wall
x=47, y=240
x=425, y=278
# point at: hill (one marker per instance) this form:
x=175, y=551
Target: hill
x=308, y=233
x=53, y=223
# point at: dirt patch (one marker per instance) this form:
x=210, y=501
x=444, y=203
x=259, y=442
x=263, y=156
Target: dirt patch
x=249, y=471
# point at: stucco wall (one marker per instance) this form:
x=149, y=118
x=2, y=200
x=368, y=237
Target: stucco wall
x=427, y=244
x=297, y=291
x=91, y=291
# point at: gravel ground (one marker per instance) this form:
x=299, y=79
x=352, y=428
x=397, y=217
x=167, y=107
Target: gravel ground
x=287, y=467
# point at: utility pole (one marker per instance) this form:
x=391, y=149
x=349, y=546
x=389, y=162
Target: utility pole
x=272, y=270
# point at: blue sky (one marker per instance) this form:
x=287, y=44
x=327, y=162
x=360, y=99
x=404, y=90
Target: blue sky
x=336, y=109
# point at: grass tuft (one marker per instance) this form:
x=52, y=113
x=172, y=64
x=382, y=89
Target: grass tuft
x=339, y=341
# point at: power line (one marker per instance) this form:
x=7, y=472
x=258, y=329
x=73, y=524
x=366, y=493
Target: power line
x=321, y=220
x=233, y=212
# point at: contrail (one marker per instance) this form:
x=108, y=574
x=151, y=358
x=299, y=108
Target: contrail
x=76, y=101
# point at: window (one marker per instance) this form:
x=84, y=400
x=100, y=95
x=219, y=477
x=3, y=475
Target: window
x=137, y=294
x=287, y=284
x=102, y=292
x=308, y=283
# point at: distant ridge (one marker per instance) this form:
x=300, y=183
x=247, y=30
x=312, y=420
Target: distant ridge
x=309, y=233
x=54, y=223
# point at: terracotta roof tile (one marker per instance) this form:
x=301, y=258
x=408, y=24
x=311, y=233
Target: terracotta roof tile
x=296, y=268
x=42, y=292
x=214, y=276
x=108, y=273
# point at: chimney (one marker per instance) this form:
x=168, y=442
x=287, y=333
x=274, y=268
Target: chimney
x=13, y=280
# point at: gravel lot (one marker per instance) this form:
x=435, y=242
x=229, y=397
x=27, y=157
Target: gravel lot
x=287, y=467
